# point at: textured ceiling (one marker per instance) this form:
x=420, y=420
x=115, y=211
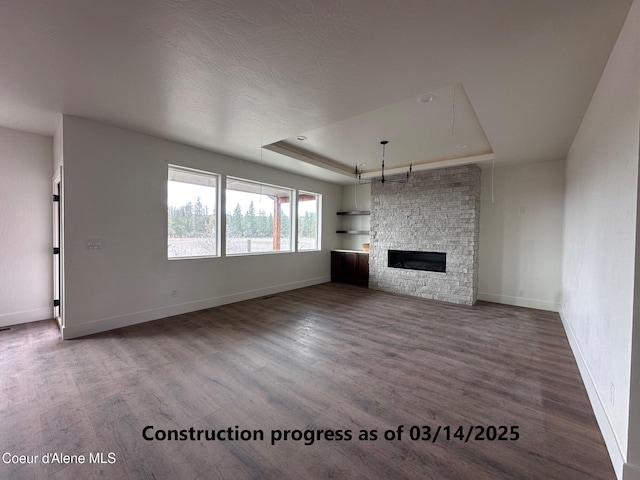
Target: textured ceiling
x=232, y=76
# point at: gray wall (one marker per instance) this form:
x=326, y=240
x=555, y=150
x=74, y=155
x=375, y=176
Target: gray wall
x=599, y=274
x=521, y=234
x=521, y=214
x=26, y=236
x=115, y=185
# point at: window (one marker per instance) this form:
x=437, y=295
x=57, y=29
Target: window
x=192, y=201
x=258, y=217
x=309, y=208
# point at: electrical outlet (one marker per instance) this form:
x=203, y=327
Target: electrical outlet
x=520, y=293
x=612, y=393
x=174, y=293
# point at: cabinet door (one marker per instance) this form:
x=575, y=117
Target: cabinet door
x=362, y=270
x=349, y=267
x=343, y=267
x=336, y=269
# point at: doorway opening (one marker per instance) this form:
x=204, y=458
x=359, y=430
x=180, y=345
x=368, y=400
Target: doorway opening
x=57, y=249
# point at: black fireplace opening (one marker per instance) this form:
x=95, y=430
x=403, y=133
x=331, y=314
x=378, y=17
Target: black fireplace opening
x=427, y=261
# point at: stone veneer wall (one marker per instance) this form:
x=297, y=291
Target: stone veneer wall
x=438, y=211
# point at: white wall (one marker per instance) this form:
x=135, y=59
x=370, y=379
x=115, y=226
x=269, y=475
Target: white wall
x=521, y=234
x=355, y=197
x=599, y=247
x=520, y=252
x=26, y=290
x=115, y=185
x=58, y=148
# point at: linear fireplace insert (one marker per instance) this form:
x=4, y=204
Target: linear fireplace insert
x=428, y=261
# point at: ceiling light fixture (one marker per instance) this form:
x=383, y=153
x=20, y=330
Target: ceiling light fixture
x=426, y=98
x=302, y=138
x=382, y=179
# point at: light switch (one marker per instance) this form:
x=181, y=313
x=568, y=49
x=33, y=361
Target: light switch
x=95, y=244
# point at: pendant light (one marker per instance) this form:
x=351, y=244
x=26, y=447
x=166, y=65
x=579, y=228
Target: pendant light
x=382, y=179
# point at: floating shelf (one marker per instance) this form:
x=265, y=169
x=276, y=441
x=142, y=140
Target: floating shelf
x=355, y=212
x=346, y=231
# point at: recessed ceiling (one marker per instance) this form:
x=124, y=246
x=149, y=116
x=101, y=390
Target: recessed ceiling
x=233, y=77
x=425, y=129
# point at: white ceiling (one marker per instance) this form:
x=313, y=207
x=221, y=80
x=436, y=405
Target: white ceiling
x=432, y=128
x=232, y=76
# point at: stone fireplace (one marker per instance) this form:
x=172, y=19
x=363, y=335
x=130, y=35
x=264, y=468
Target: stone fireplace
x=436, y=211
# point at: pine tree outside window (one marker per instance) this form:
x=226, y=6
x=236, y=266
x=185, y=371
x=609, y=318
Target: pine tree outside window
x=309, y=214
x=192, y=205
x=258, y=217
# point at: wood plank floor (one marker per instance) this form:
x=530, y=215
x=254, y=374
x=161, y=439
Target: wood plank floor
x=329, y=357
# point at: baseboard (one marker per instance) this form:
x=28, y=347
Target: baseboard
x=111, y=323
x=15, y=318
x=631, y=472
x=610, y=439
x=520, y=301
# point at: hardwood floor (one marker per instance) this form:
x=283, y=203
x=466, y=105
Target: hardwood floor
x=329, y=357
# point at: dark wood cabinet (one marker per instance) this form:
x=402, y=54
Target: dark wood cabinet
x=350, y=267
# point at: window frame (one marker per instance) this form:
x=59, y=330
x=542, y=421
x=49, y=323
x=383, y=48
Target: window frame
x=216, y=177
x=318, y=212
x=259, y=184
